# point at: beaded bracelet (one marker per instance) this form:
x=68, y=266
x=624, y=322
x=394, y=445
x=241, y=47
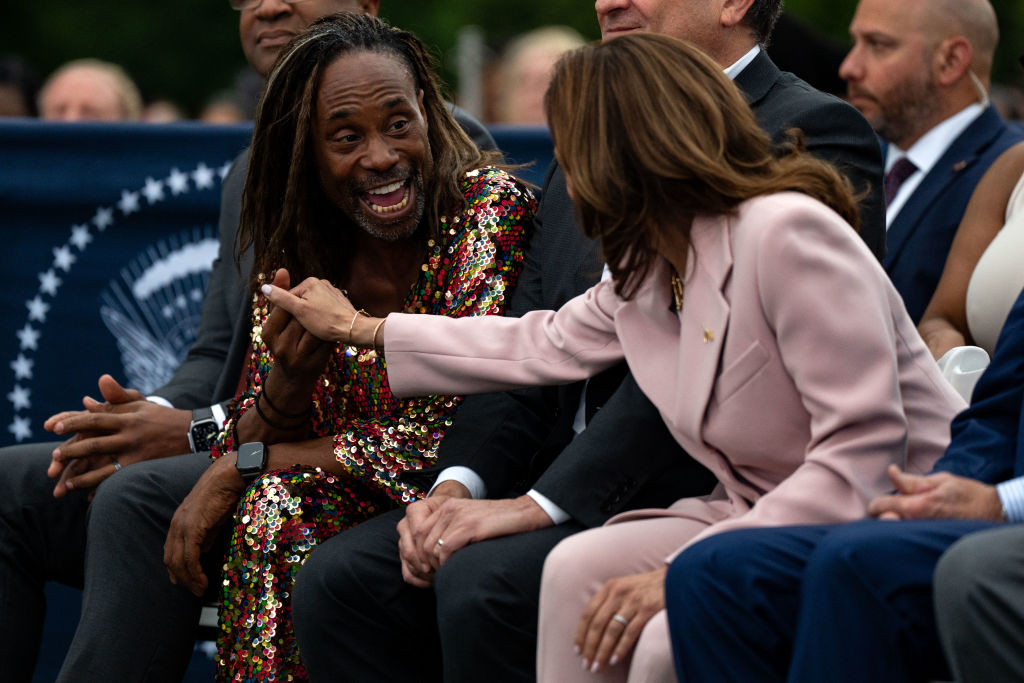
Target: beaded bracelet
x=271, y=423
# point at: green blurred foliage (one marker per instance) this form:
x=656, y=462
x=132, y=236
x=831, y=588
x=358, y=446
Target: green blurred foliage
x=187, y=50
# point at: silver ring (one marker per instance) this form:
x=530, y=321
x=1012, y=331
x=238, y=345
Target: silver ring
x=621, y=619
x=440, y=542
x=117, y=465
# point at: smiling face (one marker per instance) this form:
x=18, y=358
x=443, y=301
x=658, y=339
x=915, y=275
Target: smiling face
x=268, y=28
x=888, y=72
x=370, y=143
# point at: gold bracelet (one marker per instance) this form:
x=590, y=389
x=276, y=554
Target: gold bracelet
x=376, y=330
x=352, y=324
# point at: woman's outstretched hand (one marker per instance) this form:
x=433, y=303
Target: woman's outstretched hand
x=324, y=311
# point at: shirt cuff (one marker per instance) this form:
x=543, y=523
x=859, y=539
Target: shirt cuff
x=465, y=476
x=1011, y=494
x=557, y=514
x=160, y=401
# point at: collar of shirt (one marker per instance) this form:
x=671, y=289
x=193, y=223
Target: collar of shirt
x=740, y=64
x=925, y=153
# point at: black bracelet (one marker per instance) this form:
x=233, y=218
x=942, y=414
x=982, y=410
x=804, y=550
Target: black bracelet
x=275, y=425
x=294, y=416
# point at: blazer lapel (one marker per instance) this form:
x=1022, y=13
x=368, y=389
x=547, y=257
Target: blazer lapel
x=704, y=321
x=961, y=155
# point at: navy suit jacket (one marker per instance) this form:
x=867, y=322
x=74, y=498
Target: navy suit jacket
x=921, y=235
x=987, y=443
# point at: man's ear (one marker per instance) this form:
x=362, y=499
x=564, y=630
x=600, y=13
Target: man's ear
x=423, y=112
x=733, y=12
x=952, y=59
x=371, y=7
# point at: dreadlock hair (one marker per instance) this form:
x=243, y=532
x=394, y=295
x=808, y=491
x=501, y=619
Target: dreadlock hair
x=286, y=217
x=652, y=133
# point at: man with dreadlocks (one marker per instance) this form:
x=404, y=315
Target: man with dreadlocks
x=359, y=176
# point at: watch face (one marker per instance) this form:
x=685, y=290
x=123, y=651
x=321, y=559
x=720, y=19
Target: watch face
x=203, y=435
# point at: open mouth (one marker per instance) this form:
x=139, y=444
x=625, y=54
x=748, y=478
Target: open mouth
x=388, y=199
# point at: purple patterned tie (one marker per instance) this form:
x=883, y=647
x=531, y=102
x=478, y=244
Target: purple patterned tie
x=900, y=171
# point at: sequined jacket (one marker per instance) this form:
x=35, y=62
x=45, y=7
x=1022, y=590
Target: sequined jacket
x=467, y=271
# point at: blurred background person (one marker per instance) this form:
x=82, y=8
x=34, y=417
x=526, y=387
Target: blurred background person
x=162, y=111
x=525, y=71
x=90, y=90
x=223, y=107
x=18, y=87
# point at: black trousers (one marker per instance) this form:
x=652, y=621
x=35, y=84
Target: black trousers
x=357, y=620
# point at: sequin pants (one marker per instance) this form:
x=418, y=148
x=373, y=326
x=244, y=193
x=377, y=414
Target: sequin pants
x=281, y=518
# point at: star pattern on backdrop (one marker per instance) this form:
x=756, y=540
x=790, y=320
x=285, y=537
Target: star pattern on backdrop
x=153, y=190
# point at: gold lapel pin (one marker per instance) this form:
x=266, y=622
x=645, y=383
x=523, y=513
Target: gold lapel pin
x=709, y=335
x=959, y=166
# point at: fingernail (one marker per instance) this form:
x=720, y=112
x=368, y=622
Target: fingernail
x=56, y=452
x=586, y=664
x=614, y=660
x=594, y=668
x=266, y=289
x=576, y=650
x=58, y=428
x=68, y=485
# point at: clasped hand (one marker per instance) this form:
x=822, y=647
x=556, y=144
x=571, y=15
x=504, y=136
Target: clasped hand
x=125, y=428
x=323, y=310
x=939, y=495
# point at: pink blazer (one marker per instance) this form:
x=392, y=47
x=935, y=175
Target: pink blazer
x=793, y=371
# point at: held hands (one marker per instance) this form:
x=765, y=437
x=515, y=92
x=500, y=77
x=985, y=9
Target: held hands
x=301, y=355
x=940, y=495
x=125, y=428
x=194, y=526
x=456, y=520
x=323, y=310
x=601, y=637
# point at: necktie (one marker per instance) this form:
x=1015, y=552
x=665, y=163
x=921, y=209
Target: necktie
x=900, y=171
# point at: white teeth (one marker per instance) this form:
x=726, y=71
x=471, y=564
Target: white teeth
x=393, y=207
x=386, y=188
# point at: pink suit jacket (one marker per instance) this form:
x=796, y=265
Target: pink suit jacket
x=793, y=371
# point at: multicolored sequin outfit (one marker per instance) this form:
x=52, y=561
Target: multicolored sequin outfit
x=286, y=513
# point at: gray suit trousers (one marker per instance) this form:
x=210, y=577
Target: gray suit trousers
x=979, y=605
x=136, y=625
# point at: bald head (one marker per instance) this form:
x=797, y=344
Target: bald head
x=973, y=20
x=90, y=90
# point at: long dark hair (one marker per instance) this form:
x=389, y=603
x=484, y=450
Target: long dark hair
x=652, y=133
x=286, y=217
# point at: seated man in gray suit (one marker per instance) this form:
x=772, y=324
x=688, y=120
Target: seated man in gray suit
x=467, y=607
x=42, y=526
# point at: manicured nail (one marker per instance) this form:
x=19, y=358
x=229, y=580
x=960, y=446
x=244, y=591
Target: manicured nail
x=586, y=664
x=576, y=650
x=614, y=660
x=594, y=668
x=266, y=289
x=69, y=485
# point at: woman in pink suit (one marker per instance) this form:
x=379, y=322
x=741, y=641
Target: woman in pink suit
x=772, y=343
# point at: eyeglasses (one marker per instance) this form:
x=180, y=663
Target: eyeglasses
x=242, y=5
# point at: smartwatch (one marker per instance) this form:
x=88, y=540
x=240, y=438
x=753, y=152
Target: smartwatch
x=250, y=461
x=203, y=430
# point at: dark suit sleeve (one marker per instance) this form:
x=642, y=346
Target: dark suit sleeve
x=985, y=444
x=836, y=132
x=497, y=435
x=626, y=458
x=193, y=383
x=476, y=131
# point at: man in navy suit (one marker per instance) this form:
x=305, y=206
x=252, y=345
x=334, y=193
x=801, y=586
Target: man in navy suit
x=854, y=602
x=918, y=71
